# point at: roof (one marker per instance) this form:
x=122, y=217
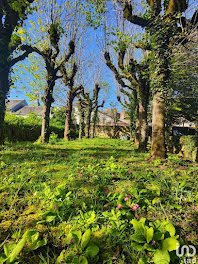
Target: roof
x=26, y=110
x=110, y=124
x=15, y=104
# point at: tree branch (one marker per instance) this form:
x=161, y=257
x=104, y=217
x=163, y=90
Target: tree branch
x=114, y=70
x=127, y=13
x=67, y=57
x=20, y=58
x=121, y=59
x=143, y=46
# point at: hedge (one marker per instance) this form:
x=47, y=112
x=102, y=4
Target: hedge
x=26, y=129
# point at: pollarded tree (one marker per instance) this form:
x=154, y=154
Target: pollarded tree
x=136, y=74
x=52, y=65
x=89, y=103
x=95, y=110
x=12, y=15
x=73, y=92
x=165, y=26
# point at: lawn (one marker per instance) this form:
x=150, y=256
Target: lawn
x=94, y=201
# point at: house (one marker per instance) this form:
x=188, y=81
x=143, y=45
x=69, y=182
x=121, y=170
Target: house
x=183, y=127
x=26, y=110
x=13, y=105
x=21, y=108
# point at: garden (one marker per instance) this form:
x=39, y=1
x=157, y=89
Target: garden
x=94, y=201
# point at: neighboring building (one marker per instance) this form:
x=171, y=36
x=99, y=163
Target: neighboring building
x=183, y=127
x=21, y=108
x=124, y=117
x=14, y=105
x=26, y=110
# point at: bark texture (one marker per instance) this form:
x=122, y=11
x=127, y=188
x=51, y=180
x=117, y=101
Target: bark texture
x=82, y=119
x=144, y=89
x=158, y=149
x=68, y=114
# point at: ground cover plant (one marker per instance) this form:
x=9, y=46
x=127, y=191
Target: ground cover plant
x=88, y=202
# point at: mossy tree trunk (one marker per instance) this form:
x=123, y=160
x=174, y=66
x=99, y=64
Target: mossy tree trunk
x=68, y=114
x=88, y=120
x=4, y=88
x=143, y=109
x=158, y=149
x=73, y=92
x=82, y=124
x=48, y=100
x=95, y=114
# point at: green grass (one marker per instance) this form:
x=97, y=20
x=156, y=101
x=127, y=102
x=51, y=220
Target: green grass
x=77, y=186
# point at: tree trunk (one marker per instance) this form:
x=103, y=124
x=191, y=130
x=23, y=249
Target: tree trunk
x=137, y=125
x=4, y=88
x=143, y=107
x=94, y=121
x=47, y=100
x=68, y=120
x=158, y=149
x=88, y=122
x=82, y=124
x=45, y=122
x=142, y=127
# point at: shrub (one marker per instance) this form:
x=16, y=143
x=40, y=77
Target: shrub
x=189, y=147
x=26, y=129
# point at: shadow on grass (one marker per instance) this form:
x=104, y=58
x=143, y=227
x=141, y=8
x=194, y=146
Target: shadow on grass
x=29, y=152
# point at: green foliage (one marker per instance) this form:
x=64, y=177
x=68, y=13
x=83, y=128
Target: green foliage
x=26, y=129
x=189, y=147
x=122, y=41
x=77, y=201
x=53, y=138
x=12, y=250
x=159, y=239
x=80, y=248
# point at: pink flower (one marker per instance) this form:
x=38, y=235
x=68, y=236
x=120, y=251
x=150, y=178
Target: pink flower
x=79, y=172
x=130, y=196
x=119, y=206
x=106, y=191
x=130, y=172
x=55, y=207
x=135, y=207
x=126, y=198
x=71, y=241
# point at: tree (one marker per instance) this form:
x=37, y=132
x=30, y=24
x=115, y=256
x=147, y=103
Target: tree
x=12, y=15
x=56, y=26
x=73, y=91
x=52, y=66
x=136, y=74
x=89, y=103
x=81, y=109
x=95, y=111
x=164, y=28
